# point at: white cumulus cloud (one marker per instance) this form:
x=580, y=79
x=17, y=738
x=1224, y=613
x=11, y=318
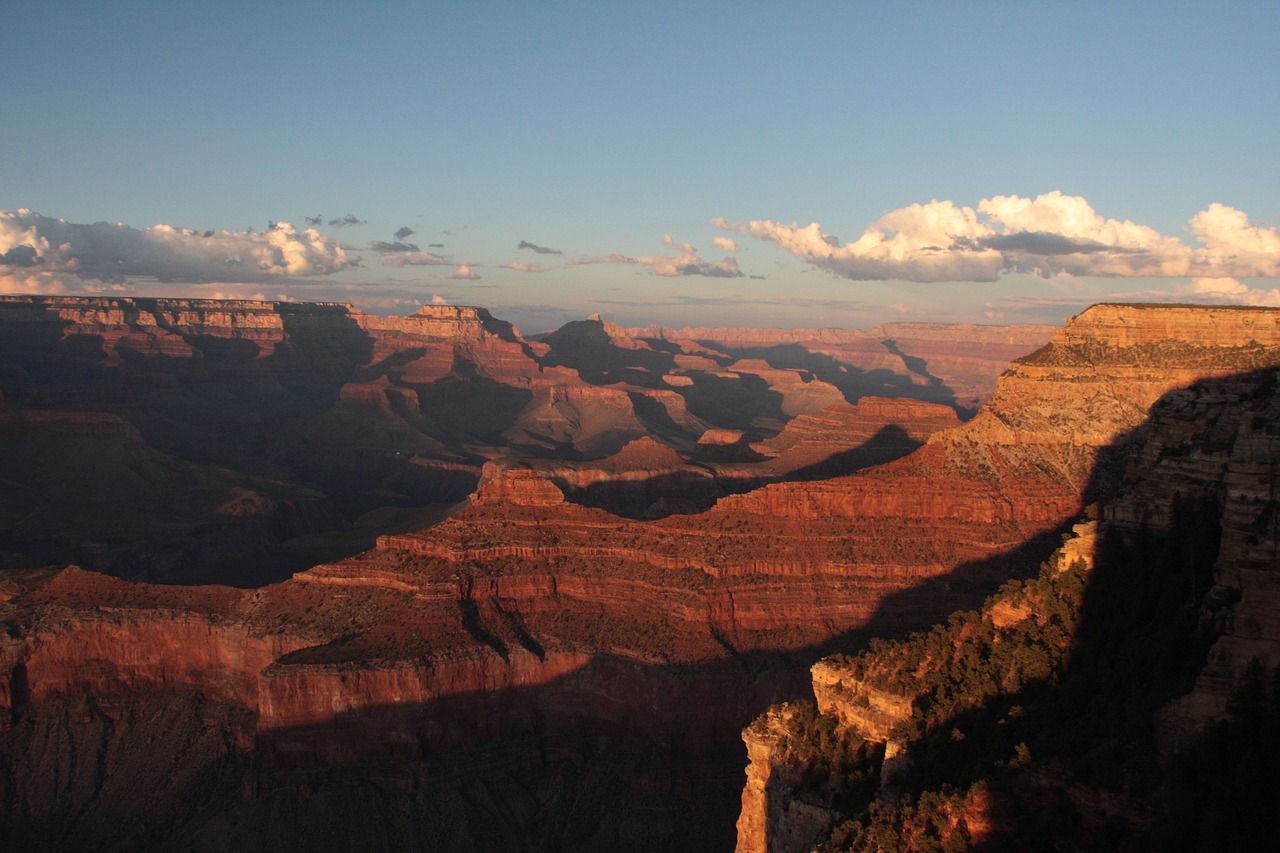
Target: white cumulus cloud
x=114, y=252
x=1048, y=235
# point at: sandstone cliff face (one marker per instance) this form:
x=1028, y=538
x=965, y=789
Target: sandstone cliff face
x=1212, y=458
x=974, y=496
x=1192, y=394
x=771, y=820
x=416, y=682
x=798, y=786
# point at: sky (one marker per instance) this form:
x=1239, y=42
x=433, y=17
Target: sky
x=712, y=164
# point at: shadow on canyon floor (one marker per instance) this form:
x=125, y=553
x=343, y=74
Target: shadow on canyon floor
x=213, y=418
x=856, y=383
x=697, y=488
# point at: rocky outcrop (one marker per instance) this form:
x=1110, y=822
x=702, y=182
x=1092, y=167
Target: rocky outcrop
x=633, y=650
x=517, y=486
x=772, y=820
x=961, y=358
x=1188, y=523
x=1211, y=462
x=802, y=393
x=345, y=418
x=870, y=711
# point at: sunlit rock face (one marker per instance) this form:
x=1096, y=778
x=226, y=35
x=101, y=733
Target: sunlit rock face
x=1165, y=414
x=962, y=358
x=530, y=650
x=188, y=440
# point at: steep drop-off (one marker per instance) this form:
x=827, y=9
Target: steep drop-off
x=534, y=673
x=1119, y=701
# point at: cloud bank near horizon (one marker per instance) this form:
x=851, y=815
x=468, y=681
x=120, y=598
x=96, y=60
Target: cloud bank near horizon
x=1222, y=257
x=1050, y=235
x=686, y=263
x=34, y=246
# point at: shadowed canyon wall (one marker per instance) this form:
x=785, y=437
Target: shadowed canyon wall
x=535, y=673
x=1087, y=707
x=234, y=441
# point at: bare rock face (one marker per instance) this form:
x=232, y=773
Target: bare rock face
x=527, y=650
x=874, y=431
x=802, y=393
x=963, y=359
x=518, y=486
x=1190, y=396
x=343, y=420
x=771, y=821
x=1211, y=462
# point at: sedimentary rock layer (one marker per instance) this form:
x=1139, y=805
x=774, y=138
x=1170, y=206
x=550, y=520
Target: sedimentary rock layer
x=137, y=421
x=663, y=635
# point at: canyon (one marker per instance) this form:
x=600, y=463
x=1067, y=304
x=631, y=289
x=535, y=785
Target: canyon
x=583, y=563
x=1132, y=650
x=213, y=441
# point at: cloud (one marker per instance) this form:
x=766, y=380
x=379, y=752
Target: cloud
x=1228, y=290
x=233, y=294
x=413, y=258
x=1052, y=234
x=465, y=273
x=346, y=221
x=686, y=263
x=397, y=246
x=437, y=299
x=403, y=232
x=23, y=282
x=315, y=221
x=541, y=250
x=435, y=245
x=115, y=252
x=522, y=267
x=725, y=244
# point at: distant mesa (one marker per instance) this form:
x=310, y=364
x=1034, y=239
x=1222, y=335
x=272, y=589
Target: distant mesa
x=500, y=484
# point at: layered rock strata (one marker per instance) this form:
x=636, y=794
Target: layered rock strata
x=957, y=356
x=624, y=644
x=339, y=421
x=1194, y=505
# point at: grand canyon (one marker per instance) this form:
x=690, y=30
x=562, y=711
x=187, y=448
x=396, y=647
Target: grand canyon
x=281, y=576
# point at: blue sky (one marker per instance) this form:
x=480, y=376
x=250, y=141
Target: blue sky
x=598, y=131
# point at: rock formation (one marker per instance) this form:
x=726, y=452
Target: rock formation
x=582, y=674
x=138, y=425
x=958, y=357
x=1182, y=560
